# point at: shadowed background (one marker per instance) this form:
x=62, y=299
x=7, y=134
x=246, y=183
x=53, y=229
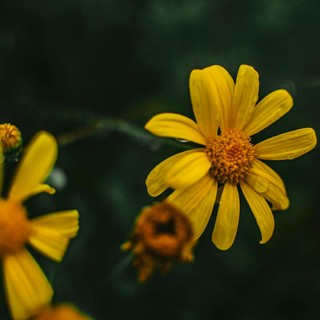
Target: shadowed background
x=92, y=72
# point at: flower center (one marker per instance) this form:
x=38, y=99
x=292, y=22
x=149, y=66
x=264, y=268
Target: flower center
x=231, y=155
x=15, y=228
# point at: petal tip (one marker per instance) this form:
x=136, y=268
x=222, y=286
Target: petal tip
x=51, y=190
x=221, y=243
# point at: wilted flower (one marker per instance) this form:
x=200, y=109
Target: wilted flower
x=161, y=235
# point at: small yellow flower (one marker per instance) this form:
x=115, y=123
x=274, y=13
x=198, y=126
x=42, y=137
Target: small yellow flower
x=26, y=287
x=10, y=137
x=61, y=312
x=161, y=236
x=226, y=117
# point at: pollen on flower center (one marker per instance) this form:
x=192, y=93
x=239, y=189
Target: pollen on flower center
x=231, y=155
x=14, y=227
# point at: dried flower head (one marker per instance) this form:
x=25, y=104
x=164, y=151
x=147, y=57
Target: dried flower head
x=161, y=236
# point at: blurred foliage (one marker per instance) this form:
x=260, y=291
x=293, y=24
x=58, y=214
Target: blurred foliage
x=92, y=72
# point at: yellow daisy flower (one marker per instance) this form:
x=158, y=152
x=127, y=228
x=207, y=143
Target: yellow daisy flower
x=226, y=116
x=63, y=311
x=26, y=286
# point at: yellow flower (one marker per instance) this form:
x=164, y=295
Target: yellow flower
x=10, y=137
x=161, y=236
x=226, y=117
x=61, y=312
x=26, y=287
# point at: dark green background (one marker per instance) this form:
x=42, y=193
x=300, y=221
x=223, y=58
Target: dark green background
x=99, y=69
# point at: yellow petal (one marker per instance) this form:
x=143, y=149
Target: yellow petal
x=245, y=96
x=261, y=211
x=174, y=125
x=187, y=170
x=264, y=167
x=51, y=233
x=196, y=202
x=268, y=186
x=287, y=146
x=50, y=243
x=2, y=157
x=269, y=110
x=64, y=222
x=205, y=92
x=34, y=167
x=27, y=288
x=155, y=181
x=226, y=225
x=223, y=88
